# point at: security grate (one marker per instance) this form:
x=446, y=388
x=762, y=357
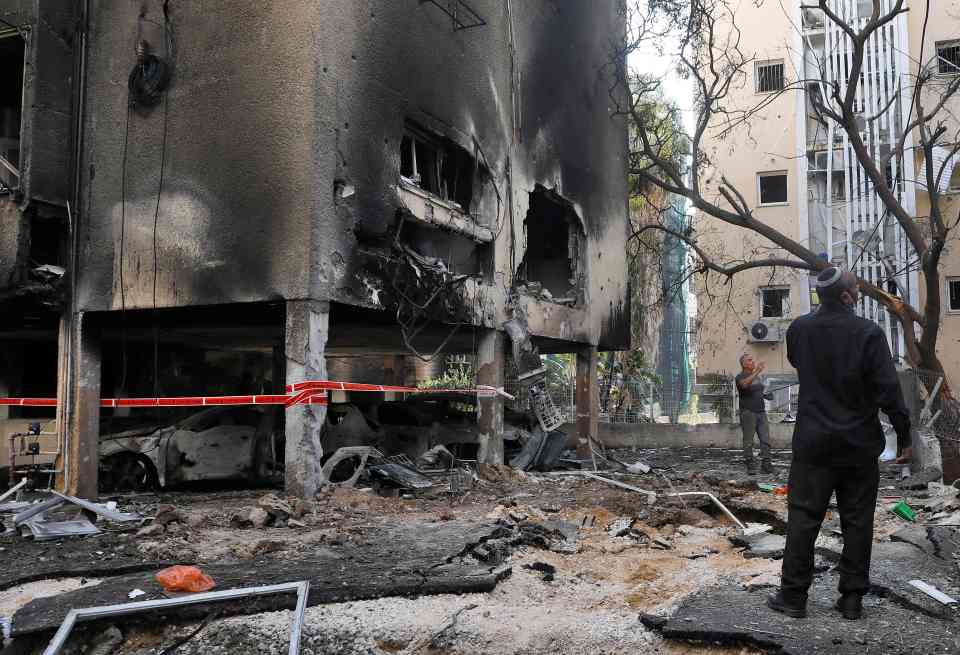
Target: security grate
x=548, y=415
x=769, y=77
x=948, y=57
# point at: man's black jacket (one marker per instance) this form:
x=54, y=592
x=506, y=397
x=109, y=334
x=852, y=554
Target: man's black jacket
x=846, y=376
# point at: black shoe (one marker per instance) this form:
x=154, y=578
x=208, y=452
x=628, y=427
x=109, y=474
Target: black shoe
x=779, y=604
x=767, y=467
x=851, y=606
x=751, y=468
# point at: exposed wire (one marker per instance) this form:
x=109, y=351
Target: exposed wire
x=123, y=223
x=169, y=45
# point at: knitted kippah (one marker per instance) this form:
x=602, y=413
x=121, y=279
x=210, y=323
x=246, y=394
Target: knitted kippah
x=828, y=277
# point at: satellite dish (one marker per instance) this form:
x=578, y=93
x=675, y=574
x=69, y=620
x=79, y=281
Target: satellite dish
x=759, y=331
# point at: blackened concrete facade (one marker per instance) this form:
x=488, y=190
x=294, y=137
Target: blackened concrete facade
x=270, y=170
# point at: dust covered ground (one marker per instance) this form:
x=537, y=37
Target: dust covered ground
x=579, y=589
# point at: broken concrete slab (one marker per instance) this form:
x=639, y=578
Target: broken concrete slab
x=760, y=543
x=763, y=581
x=731, y=615
x=769, y=546
x=893, y=610
x=393, y=560
x=936, y=541
x=922, y=479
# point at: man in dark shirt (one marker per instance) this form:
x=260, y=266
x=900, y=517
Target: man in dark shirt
x=753, y=413
x=846, y=376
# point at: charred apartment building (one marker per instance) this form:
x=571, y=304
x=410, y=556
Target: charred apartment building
x=228, y=197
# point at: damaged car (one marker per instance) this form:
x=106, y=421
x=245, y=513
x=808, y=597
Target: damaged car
x=232, y=443
x=413, y=426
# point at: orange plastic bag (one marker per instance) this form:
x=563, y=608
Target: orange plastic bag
x=185, y=578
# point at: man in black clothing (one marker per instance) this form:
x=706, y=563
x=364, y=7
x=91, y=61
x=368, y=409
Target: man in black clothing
x=753, y=413
x=846, y=375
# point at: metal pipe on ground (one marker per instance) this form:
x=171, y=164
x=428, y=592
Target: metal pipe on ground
x=12, y=490
x=716, y=501
x=652, y=496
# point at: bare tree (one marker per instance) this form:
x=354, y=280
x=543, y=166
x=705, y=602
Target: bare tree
x=708, y=52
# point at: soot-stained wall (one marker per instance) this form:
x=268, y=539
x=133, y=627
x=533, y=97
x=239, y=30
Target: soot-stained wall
x=235, y=216
x=273, y=106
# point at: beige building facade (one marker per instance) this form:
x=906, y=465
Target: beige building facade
x=800, y=176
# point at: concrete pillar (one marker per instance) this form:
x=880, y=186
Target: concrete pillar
x=588, y=399
x=78, y=414
x=307, y=327
x=490, y=365
x=393, y=375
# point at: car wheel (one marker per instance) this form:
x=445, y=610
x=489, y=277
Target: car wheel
x=129, y=472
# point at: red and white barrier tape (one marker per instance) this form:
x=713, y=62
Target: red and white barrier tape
x=302, y=393
x=180, y=401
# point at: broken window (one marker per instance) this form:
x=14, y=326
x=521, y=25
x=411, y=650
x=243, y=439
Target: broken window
x=948, y=57
x=438, y=166
x=772, y=188
x=774, y=302
x=769, y=76
x=47, y=241
x=554, y=236
x=11, y=104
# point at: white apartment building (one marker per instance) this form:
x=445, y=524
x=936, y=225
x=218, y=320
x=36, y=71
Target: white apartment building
x=802, y=176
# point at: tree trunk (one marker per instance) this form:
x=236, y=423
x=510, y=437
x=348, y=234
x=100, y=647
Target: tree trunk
x=947, y=425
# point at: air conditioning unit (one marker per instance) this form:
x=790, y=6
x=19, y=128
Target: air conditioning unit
x=764, y=332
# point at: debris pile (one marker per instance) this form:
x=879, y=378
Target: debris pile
x=272, y=511
x=59, y=516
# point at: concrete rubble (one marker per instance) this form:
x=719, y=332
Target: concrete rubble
x=556, y=563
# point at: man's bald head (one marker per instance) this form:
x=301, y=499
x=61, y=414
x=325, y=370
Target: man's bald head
x=835, y=285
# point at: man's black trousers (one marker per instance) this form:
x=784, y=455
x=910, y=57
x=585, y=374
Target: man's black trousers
x=808, y=498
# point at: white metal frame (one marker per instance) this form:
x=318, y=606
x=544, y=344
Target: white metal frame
x=763, y=174
x=952, y=68
x=92, y=613
x=787, y=305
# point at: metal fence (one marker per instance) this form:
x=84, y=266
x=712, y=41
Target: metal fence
x=644, y=400
x=640, y=401
x=647, y=401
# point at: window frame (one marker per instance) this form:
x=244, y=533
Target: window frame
x=17, y=170
x=763, y=174
x=429, y=155
x=951, y=43
x=758, y=65
x=946, y=287
x=785, y=304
